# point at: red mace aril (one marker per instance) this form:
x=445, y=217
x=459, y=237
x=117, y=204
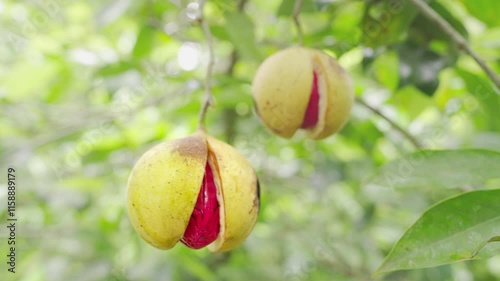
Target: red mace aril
x=312, y=111
x=204, y=225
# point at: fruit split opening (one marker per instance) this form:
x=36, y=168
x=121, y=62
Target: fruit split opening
x=312, y=112
x=204, y=225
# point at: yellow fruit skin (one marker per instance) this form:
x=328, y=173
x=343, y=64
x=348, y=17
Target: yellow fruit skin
x=340, y=95
x=164, y=184
x=241, y=196
x=281, y=90
x=163, y=188
x=282, y=86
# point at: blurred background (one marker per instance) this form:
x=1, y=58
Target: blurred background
x=86, y=87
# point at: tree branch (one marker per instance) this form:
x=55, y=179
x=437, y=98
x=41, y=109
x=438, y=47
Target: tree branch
x=404, y=132
x=230, y=116
x=456, y=37
x=208, y=99
x=241, y=5
x=298, y=26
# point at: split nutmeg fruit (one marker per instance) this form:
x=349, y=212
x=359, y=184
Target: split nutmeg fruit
x=302, y=88
x=196, y=190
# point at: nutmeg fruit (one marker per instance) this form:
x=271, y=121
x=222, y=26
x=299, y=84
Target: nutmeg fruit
x=196, y=190
x=302, y=88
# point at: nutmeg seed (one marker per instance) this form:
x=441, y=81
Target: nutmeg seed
x=197, y=190
x=302, y=88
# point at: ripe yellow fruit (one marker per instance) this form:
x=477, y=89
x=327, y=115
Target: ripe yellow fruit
x=302, y=88
x=197, y=190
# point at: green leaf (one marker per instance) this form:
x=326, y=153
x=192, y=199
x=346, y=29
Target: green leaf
x=240, y=29
x=420, y=66
x=287, y=6
x=440, y=168
x=455, y=229
x=145, y=42
x=386, y=22
x=60, y=84
x=487, y=96
x=197, y=268
x=24, y=80
x=83, y=183
x=386, y=67
x=116, y=68
x=411, y=101
x=484, y=10
x=220, y=32
x=426, y=30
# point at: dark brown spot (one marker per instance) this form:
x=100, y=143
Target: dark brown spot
x=193, y=146
x=258, y=190
x=256, y=201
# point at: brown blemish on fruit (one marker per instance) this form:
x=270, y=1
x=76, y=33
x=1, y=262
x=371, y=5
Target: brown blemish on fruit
x=256, y=201
x=193, y=146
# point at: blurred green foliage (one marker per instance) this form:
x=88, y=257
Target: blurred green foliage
x=87, y=86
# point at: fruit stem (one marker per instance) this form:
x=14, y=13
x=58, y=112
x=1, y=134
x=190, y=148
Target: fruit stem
x=404, y=132
x=432, y=15
x=298, y=25
x=208, y=99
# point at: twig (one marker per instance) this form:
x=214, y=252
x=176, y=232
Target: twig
x=230, y=116
x=296, y=13
x=456, y=37
x=208, y=100
x=241, y=5
x=404, y=132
